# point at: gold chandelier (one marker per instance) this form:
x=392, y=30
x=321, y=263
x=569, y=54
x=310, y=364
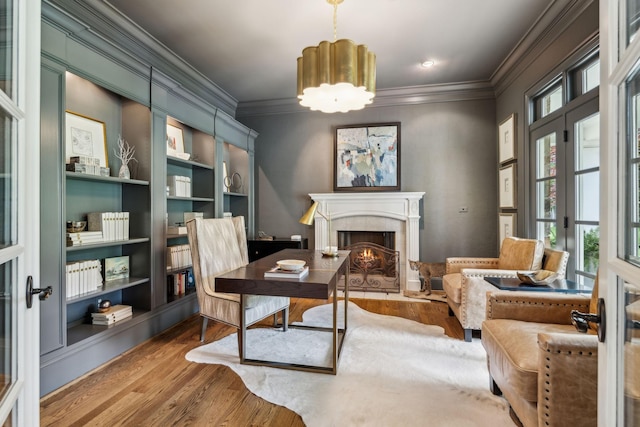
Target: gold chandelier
x=338, y=76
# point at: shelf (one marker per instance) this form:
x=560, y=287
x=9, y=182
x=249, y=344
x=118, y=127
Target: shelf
x=107, y=244
x=189, y=294
x=191, y=199
x=79, y=332
x=176, y=236
x=112, y=286
x=228, y=193
x=178, y=269
x=87, y=177
x=179, y=162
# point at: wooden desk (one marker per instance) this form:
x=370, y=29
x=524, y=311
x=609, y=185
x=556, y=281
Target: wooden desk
x=320, y=283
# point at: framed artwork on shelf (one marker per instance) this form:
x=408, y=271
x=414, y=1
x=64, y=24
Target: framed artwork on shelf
x=507, y=187
x=85, y=137
x=116, y=268
x=507, y=139
x=367, y=157
x=175, y=142
x=506, y=225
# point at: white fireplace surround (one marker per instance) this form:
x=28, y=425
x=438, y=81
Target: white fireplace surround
x=398, y=212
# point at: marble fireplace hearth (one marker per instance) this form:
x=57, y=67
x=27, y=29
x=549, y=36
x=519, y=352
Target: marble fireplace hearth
x=397, y=212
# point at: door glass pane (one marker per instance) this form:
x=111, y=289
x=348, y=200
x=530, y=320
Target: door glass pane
x=633, y=19
x=587, y=248
x=630, y=186
x=591, y=77
x=546, y=158
x=6, y=183
x=551, y=101
x=7, y=374
x=546, y=189
x=546, y=196
x=6, y=44
x=588, y=196
x=546, y=231
x=631, y=355
x=588, y=142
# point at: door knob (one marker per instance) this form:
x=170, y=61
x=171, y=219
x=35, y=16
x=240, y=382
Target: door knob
x=43, y=293
x=581, y=320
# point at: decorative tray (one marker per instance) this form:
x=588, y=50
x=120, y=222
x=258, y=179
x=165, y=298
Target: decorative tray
x=537, y=278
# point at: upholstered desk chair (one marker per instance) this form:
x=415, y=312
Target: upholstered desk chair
x=540, y=363
x=219, y=245
x=467, y=290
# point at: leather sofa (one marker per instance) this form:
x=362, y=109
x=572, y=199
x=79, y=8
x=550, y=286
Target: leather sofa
x=545, y=368
x=466, y=288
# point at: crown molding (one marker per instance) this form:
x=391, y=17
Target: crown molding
x=409, y=95
x=89, y=21
x=556, y=18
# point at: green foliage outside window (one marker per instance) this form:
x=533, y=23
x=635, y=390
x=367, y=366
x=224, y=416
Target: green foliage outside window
x=591, y=249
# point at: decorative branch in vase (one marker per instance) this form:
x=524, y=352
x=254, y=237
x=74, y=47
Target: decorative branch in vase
x=125, y=153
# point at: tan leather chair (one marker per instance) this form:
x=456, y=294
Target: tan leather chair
x=464, y=281
x=545, y=368
x=219, y=245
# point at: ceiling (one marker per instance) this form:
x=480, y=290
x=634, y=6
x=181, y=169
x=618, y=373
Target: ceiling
x=249, y=47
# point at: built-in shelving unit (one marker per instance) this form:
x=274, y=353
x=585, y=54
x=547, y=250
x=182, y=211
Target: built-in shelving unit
x=136, y=88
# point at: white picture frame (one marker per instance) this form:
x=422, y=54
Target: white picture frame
x=507, y=139
x=507, y=187
x=85, y=137
x=175, y=140
x=506, y=226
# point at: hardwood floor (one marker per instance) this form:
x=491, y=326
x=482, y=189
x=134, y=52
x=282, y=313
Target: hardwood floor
x=154, y=385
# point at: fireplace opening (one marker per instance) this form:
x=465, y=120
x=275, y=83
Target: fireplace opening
x=374, y=262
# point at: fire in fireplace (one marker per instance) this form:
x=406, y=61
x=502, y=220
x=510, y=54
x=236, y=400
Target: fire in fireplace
x=374, y=262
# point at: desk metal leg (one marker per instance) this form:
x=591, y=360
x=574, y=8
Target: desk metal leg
x=242, y=333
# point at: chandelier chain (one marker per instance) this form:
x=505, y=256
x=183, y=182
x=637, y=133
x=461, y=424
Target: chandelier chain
x=335, y=20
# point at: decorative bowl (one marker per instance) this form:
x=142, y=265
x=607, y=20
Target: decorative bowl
x=541, y=277
x=291, y=264
x=76, y=226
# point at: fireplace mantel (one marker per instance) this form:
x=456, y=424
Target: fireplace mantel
x=397, y=209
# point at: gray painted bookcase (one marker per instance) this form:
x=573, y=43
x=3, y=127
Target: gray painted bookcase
x=98, y=66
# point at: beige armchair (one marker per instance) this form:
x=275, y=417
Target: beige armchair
x=545, y=369
x=466, y=288
x=219, y=245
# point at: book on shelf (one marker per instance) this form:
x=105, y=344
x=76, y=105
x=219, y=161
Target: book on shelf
x=82, y=277
x=279, y=273
x=113, y=225
x=84, y=238
x=112, y=315
x=179, y=186
x=177, y=229
x=178, y=256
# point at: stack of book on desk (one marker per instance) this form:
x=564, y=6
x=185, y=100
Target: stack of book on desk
x=113, y=315
x=278, y=273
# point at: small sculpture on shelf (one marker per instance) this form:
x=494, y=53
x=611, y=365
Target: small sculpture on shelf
x=125, y=153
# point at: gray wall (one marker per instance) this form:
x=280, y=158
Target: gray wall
x=448, y=150
x=535, y=68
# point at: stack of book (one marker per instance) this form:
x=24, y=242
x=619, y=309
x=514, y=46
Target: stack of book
x=178, y=256
x=87, y=165
x=278, y=273
x=84, y=238
x=114, y=314
x=113, y=225
x=179, y=186
x=83, y=277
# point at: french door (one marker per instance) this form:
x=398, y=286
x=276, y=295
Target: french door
x=19, y=215
x=565, y=151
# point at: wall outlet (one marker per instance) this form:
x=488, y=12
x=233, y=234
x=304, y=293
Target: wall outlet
x=463, y=209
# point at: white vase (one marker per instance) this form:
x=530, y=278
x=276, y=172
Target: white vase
x=124, y=172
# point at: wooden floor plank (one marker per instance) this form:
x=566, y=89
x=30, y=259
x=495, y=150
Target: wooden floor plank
x=153, y=384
